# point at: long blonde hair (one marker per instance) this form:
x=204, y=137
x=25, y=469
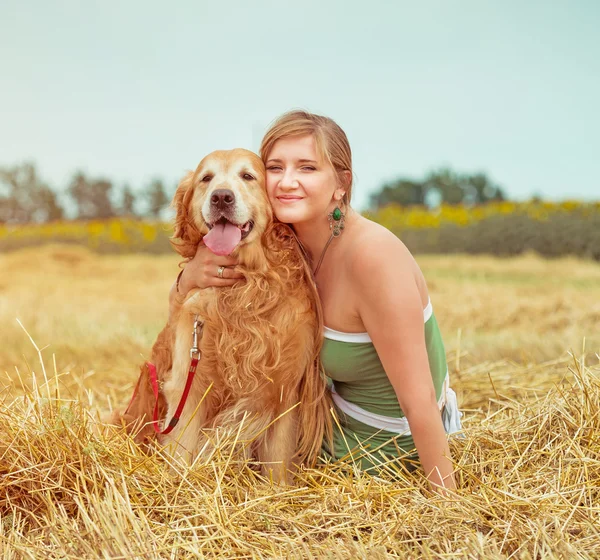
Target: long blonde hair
x=331, y=142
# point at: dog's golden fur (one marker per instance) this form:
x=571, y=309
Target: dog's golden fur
x=261, y=338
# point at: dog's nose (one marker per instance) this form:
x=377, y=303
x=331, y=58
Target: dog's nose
x=222, y=198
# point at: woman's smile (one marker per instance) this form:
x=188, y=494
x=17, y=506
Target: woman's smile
x=288, y=198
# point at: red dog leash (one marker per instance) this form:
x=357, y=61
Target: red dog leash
x=195, y=355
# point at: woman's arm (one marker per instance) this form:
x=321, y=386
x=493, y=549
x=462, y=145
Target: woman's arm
x=202, y=271
x=391, y=309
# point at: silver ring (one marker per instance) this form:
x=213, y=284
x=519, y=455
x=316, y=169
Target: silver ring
x=220, y=271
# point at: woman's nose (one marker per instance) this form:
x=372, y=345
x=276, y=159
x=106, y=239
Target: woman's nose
x=288, y=180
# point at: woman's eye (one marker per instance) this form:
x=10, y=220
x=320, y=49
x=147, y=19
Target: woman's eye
x=248, y=177
x=308, y=168
x=273, y=168
x=207, y=179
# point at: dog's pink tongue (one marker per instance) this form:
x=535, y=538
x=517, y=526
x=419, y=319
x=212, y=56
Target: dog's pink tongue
x=223, y=238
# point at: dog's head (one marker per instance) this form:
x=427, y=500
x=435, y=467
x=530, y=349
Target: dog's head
x=223, y=202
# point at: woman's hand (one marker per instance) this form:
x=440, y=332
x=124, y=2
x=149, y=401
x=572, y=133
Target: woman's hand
x=203, y=271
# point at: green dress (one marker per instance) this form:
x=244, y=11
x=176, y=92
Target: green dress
x=358, y=381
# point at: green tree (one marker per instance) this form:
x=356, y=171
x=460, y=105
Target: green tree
x=157, y=198
x=484, y=189
x=401, y=191
x=442, y=185
x=449, y=185
x=24, y=197
x=127, y=207
x=92, y=197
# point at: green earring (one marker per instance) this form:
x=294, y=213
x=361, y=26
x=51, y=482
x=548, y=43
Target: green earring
x=336, y=221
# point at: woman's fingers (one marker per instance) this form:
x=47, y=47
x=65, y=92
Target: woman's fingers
x=218, y=276
x=228, y=272
x=235, y=273
x=203, y=270
x=221, y=282
x=224, y=261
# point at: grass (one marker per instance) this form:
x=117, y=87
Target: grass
x=528, y=468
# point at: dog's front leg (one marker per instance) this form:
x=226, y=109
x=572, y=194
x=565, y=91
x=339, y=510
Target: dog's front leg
x=183, y=440
x=277, y=448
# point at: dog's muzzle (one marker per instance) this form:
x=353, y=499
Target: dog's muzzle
x=223, y=222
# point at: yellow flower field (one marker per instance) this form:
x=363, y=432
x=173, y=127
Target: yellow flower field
x=126, y=235
x=117, y=235
x=397, y=217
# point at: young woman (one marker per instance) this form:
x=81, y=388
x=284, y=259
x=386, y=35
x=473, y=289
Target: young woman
x=382, y=349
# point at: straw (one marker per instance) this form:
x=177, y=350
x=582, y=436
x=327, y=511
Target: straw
x=528, y=471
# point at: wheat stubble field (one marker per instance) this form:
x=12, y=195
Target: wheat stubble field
x=522, y=337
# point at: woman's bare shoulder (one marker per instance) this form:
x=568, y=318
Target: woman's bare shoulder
x=377, y=253
x=373, y=242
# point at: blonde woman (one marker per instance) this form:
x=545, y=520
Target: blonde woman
x=383, y=351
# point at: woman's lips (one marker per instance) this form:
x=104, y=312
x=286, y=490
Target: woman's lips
x=288, y=199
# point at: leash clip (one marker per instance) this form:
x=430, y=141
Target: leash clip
x=194, y=350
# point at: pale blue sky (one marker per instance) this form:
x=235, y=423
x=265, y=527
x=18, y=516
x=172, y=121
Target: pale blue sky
x=136, y=89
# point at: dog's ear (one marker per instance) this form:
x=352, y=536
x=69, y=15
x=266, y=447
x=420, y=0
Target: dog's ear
x=180, y=202
x=185, y=237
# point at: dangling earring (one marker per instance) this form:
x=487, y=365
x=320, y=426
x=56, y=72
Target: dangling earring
x=336, y=221
x=336, y=225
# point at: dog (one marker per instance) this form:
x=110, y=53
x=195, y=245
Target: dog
x=259, y=372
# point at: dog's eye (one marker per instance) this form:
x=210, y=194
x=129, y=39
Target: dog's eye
x=207, y=179
x=247, y=177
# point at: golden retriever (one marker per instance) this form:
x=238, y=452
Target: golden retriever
x=259, y=369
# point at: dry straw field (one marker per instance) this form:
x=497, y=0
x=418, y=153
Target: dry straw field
x=528, y=468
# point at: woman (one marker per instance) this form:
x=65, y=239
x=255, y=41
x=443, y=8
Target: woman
x=382, y=349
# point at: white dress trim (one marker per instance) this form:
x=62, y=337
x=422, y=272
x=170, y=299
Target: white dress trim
x=340, y=336
x=395, y=425
x=447, y=403
x=428, y=311
x=346, y=336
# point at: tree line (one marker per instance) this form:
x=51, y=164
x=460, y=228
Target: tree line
x=439, y=186
x=25, y=197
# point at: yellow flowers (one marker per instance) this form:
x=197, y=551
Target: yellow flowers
x=499, y=228
x=117, y=235
x=396, y=217
x=503, y=227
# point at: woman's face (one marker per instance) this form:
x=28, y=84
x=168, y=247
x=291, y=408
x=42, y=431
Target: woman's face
x=301, y=187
